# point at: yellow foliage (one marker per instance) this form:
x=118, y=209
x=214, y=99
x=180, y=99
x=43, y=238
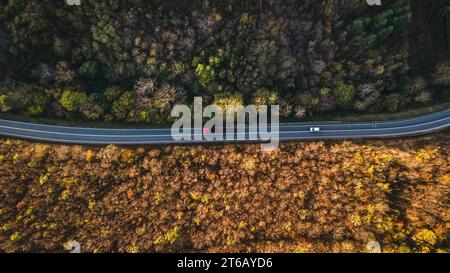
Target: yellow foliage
x=230, y=241
x=300, y=250
x=195, y=195
x=132, y=249
x=65, y=195
x=445, y=179
x=384, y=224
x=385, y=157
x=358, y=158
x=425, y=154
x=15, y=236
x=40, y=150
x=347, y=166
x=43, y=179
x=348, y=246
x=169, y=238
x=384, y=186
x=302, y=214
x=245, y=18
x=90, y=155
x=91, y=204
x=127, y=156
x=159, y=197
x=288, y=227
x=249, y=165
x=425, y=237
x=355, y=220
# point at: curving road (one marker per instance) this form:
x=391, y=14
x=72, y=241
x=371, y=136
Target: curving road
x=295, y=131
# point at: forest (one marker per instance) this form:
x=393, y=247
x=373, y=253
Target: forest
x=131, y=61
x=305, y=197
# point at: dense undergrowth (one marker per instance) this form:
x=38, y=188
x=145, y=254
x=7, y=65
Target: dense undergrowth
x=133, y=60
x=306, y=197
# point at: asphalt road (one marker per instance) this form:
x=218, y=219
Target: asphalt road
x=298, y=131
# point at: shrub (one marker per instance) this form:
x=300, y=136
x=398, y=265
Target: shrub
x=425, y=237
x=308, y=100
x=360, y=105
x=88, y=70
x=91, y=111
x=123, y=105
x=265, y=97
x=416, y=85
x=393, y=102
x=19, y=100
x=424, y=97
x=225, y=99
x=4, y=103
x=112, y=93
x=205, y=75
x=441, y=75
x=72, y=100
x=39, y=102
x=327, y=103
x=344, y=94
x=62, y=73
x=300, y=112
x=286, y=108
x=166, y=96
x=145, y=87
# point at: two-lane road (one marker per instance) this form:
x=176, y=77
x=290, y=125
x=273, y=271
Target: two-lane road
x=296, y=131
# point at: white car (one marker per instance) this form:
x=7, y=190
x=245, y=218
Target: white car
x=314, y=129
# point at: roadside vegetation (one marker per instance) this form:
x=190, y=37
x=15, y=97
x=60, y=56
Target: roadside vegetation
x=306, y=197
x=131, y=61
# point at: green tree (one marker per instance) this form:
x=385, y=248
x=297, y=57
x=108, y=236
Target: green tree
x=360, y=105
x=112, y=93
x=39, y=102
x=393, y=102
x=91, y=111
x=4, y=103
x=72, y=100
x=123, y=105
x=88, y=70
x=205, y=75
x=344, y=94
